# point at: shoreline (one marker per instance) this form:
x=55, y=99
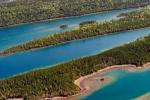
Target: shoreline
x=144, y=97
x=58, y=45
x=73, y=16
x=33, y=49
x=94, y=84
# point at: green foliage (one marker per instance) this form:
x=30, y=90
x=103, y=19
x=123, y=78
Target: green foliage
x=21, y=11
x=58, y=80
x=134, y=20
x=82, y=24
x=63, y=26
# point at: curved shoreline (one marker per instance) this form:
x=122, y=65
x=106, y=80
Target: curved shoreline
x=94, y=80
x=144, y=97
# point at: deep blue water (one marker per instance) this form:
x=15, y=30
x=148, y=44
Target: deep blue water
x=14, y=35
x=26, y=61
x=127, y=86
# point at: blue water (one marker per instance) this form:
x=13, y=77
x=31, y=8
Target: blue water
x=127, y=86
x=22, y=62
x=14, y=35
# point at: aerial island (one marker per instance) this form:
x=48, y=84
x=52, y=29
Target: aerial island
x=77, y=77
x=130, y=21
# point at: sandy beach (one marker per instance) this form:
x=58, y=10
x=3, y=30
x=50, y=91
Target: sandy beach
x=144, y=97
x=97, y=80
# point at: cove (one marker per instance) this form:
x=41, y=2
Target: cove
x=46, y=57
x=127, y=86
x=15, y=35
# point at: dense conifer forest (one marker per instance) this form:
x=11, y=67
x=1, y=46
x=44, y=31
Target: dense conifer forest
x=21, y=11
x=59, y=80
x=128, y=21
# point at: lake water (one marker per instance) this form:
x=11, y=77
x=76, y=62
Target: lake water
x=41, y=58
x=127, y=86
x=15, y=35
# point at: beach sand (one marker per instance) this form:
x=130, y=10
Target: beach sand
x=97, y=80
x=144, y=97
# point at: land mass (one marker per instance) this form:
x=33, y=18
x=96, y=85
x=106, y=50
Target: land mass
x=97, y=80
x=23, y=11
x=129, y=21
x=59, y=80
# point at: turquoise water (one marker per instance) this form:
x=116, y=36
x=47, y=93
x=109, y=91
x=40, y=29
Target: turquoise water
x=14, y=35
x=41, y=58
x=127, y=86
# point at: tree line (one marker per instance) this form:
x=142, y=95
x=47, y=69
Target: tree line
x=130, y=21
x=59, y=80
x=22, y=11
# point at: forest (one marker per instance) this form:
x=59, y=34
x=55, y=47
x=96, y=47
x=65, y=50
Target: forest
x=59, y=79
x=23, y=11
x=129, y=21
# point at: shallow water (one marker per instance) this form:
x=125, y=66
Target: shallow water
x=14, y=35
x=127, y=86
x=41, y=58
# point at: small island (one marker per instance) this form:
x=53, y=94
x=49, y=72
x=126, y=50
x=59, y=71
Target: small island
x=63, y=26
x=82, y=24
x=133, y=20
